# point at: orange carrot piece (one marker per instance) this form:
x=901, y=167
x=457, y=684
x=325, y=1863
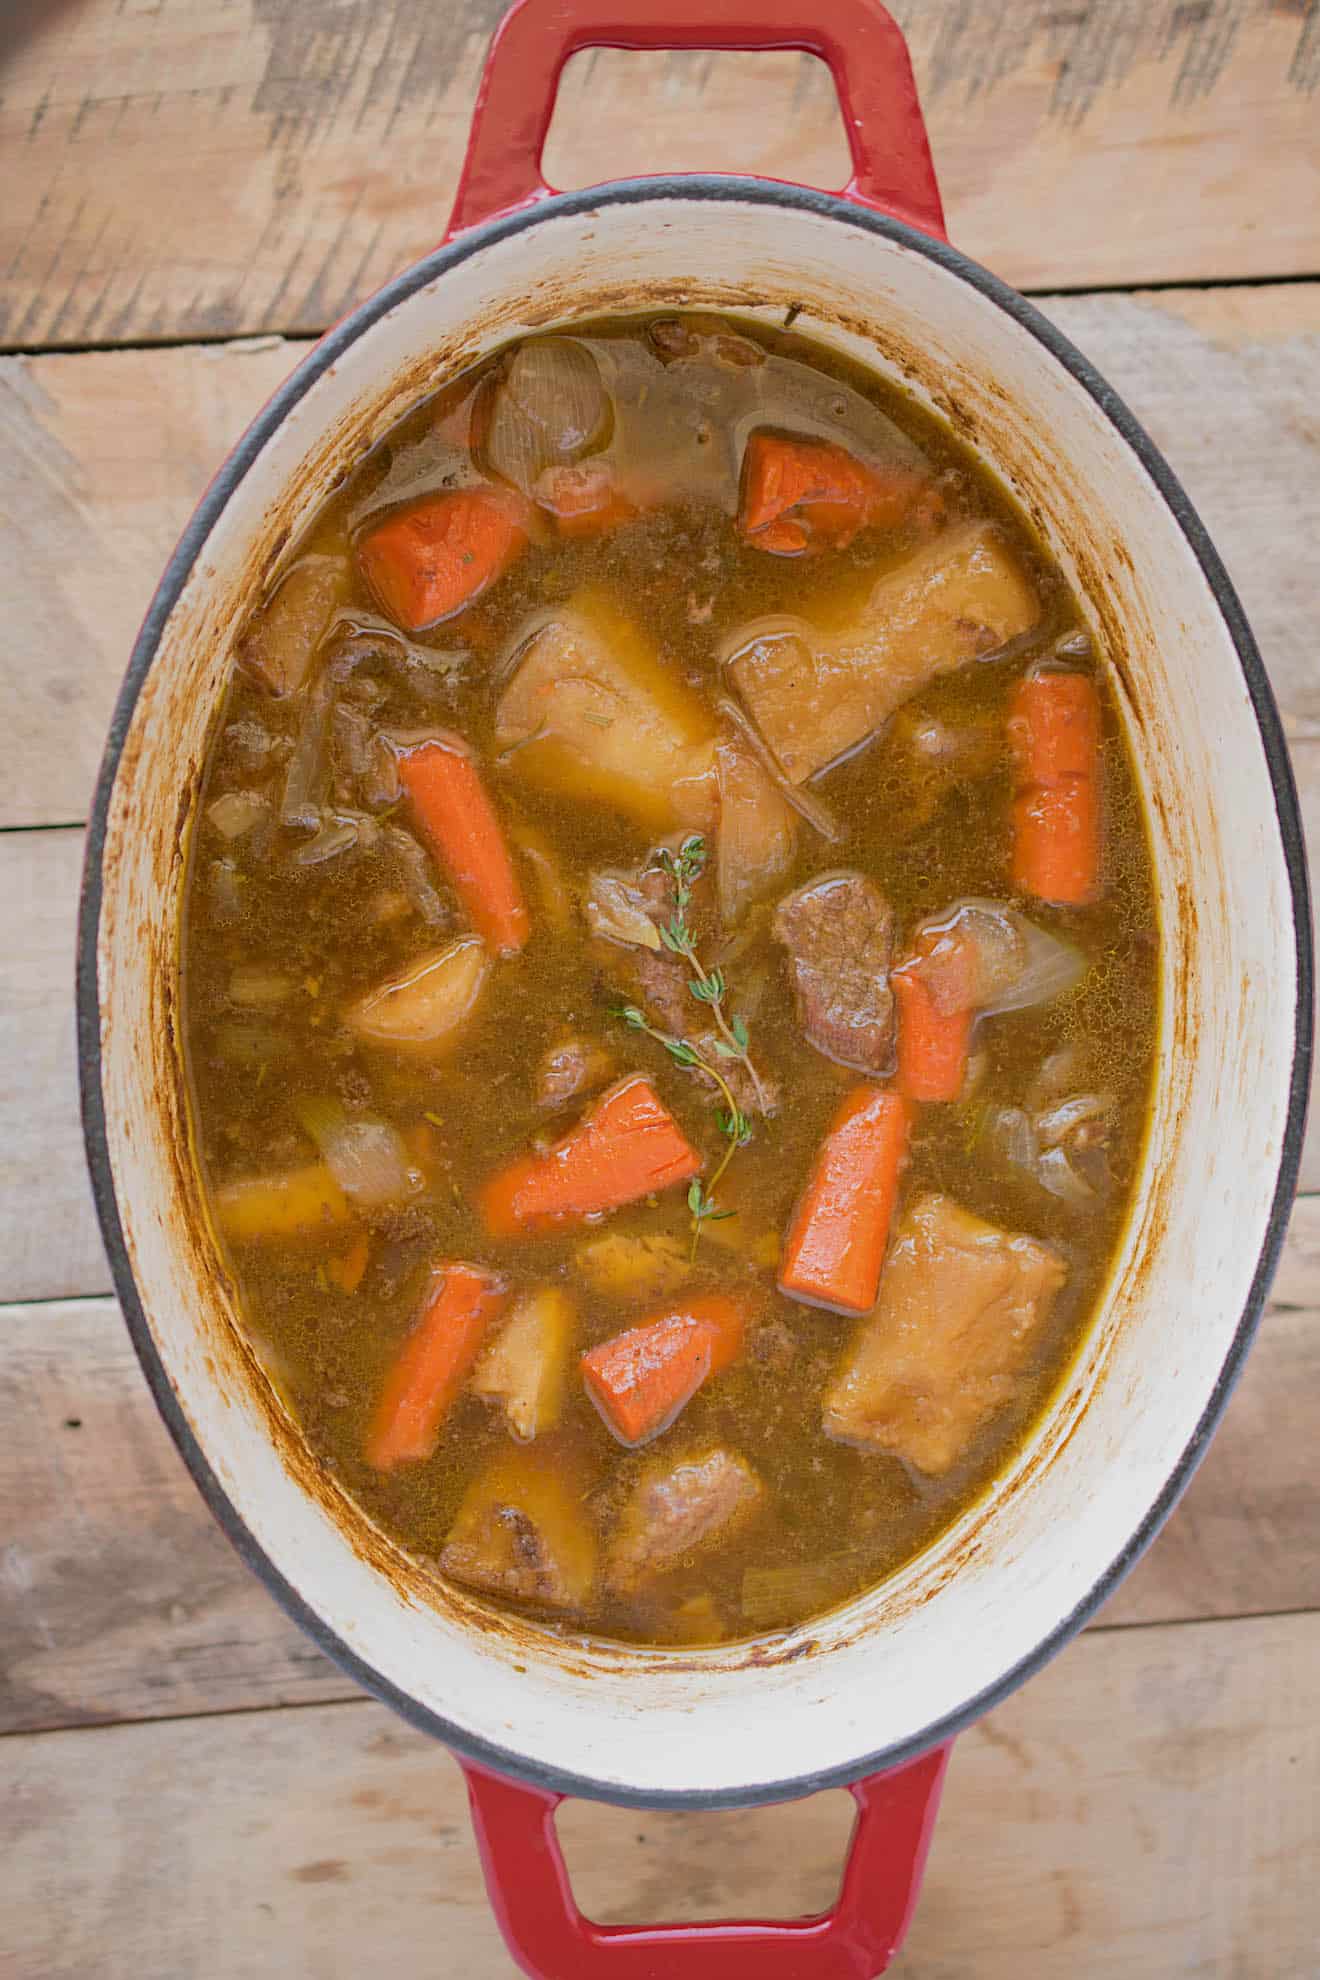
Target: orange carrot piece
x=627, y=1146
x=798, y=494
x=454, y=811
x=1054, y=729
x=347, y=1271
x=428, y=561
x=836, y=1240
x=584, y=499
x=932, y=1044
x=460, y=1303
x=641, y=1379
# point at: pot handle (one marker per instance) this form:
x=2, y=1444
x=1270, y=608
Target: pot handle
x=859, y=39
x=550, y=1939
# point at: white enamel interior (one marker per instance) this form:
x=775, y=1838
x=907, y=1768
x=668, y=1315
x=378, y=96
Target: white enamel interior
x=961, y=1618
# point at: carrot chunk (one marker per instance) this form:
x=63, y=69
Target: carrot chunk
x=836, y=1240
x=1054, y=729
x=453, y=809
x=460, y=1303
x=933, y=1039
x=428, y=561
x=640, y=1380
x=932, y=1046
x=800, y=494
x=627, y=1146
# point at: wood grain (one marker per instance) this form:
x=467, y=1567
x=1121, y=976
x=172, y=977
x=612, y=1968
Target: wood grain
x=119, y=1598
x=49, y=1241
x=220, y=167
x=1145, y=1807
x=107, y=453
x=105, y=458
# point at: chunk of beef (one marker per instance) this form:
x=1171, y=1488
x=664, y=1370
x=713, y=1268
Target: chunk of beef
x=961, y=1305
x=620, y=906
x=678, y=1509
x=839, y=932
x=753, y=1096
x=570, y=1068
x=279, y=645
x=520, y=1532
x=816, y=694
x=774, y=1345
x=659, y=983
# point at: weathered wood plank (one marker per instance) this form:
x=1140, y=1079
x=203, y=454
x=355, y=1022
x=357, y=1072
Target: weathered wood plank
x=1145, y=1807
x=49, y=1241
x=106, y=454
x=105, y=458
x=1227, y=382
x=121, y=1600
x=228, y=166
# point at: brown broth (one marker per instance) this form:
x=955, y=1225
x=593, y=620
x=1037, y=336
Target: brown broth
x=313, y=939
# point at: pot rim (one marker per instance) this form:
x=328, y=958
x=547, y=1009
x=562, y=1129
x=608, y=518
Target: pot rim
x=834, y=207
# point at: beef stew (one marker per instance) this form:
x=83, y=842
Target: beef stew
x=669, y=980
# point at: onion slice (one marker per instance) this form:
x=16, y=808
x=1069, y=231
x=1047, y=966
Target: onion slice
x=366, y=1157
x=817, y=814
x=615, y=908
x=984, y=956
x=1056, y=1174
x=550, y=408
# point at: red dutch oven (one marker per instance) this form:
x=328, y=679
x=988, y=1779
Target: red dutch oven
x=870, y=1696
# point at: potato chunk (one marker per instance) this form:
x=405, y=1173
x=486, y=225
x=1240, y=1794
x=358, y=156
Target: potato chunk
x=424, y=1009
x=520, y=1531
x=280, y=644
x=815, y=694
x=304, y=1202
x=639, y=1266
x=677, y=1510
x=757, y=834
x=523, y=1366
x=591, y=712
x=961, y=1304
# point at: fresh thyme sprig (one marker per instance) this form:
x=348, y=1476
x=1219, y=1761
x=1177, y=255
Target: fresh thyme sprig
x=733, y=1124
x=708, y=986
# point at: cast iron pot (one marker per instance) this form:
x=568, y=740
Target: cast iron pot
x=870, y=1696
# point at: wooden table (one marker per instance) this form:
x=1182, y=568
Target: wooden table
x=190, y=188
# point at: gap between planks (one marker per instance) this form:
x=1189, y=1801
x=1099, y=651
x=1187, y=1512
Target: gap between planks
x=1075, y=146
x=1144, y=1806
x=297, y=342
